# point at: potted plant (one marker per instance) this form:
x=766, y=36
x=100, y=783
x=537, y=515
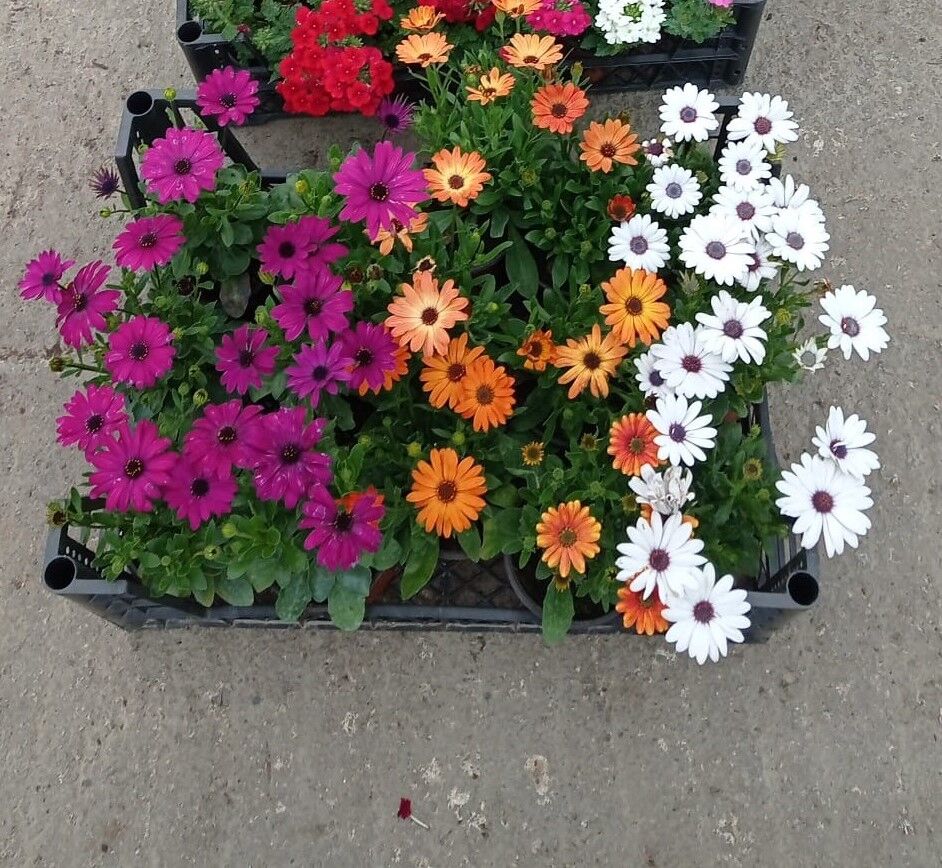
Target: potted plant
x=543, y=337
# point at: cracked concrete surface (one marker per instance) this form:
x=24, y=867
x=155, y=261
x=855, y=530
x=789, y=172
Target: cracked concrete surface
x=821, y=748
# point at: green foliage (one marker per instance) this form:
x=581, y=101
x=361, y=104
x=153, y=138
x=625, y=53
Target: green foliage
x=697, y=20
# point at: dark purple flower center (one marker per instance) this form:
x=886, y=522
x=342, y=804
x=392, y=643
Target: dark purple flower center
x=655, y=378
x=763, y=126
x=79, y=301
x=320, y=372
x=703, y=612
x=226, y=435
x=677, y=433
x=133, y=468
x=343, y=523
x=822, y=501
x=456, y=182
x=290, y=453
x=313, y=306
x=688, y=114
x=755, y=264
x=456, y=372
x=447, y=491
x=391, y=120
x=558, y=110
x=94, y=423
x=743, y=167
x=228, y=100
x=379, y=192
x=484, y=396
x=50, y=278
x=733, y=329
x=139, y=351
x=795, y=240
x=183, y=166
x=429, y=316
x=673, y=190
x=199, y=487
x=363, y=357
x=850, y=327
x=659, y=560
x=838, y=449
x=608, y=150
x=246, y=358
x=655, y=149
x=716, y=250
x=147, y=240
x=745, y=210
x=634, y=305
x=638, y=245
x=592, y=361
x=286, y=249
x=691, y=364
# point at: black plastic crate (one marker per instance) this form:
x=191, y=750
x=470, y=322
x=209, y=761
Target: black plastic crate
x=718, y=62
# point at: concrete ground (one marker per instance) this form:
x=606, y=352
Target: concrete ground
x=821, y=748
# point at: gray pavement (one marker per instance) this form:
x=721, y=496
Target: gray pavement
x=821, y=748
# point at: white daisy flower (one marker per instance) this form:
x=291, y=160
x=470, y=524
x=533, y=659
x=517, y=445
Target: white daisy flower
x=753, y=209
x=810, y=357
x=789, y=194
x=707, y=616
x=824, y=501
x=714, y=246
x=854, y=321
x=743, y=166
x=798, y=236
x=657, y=151
x=690, y=368
x=732, y=331
x=666, y=492
x=844, y=442
x=674, y=191
x=682, y=433
x=660, y=554
x=760, y=267
x=763, y=119
x=639, y=243
x=687, y=113
x=649, y=376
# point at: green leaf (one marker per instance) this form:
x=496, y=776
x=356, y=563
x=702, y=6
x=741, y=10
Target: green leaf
x=345, y=607
x=558, y=612
x=293, y=599
x=236, y=592
x=470, y=542
x=389, y=554
x=357, y=580
x=560, y=270
x=419, y=568
x=521, y=266
x=499, y=223
x=322, y=583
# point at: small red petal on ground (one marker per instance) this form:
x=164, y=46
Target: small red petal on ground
x=405, y=809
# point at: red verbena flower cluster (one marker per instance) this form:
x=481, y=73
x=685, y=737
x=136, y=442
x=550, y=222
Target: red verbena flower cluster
x=329, y=69
x=480, y=13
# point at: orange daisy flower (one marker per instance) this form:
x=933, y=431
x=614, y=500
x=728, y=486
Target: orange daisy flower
x=644, y=615
x=386, y=239
x=421, y=19
x=390, y=378
x=634, y=311
x=568, y=535
x=557, y=106
x=538, y=350
x=591, y=361
x=494, y=85
x=421, y=316
x=487, y=395
x=443, y=376
x=424, y=49
x=517, y=8
x=532, y=453
x=631, y=442
x=621, y=208
x=448, y=493
x=457, y=177
x=603, y=145
x=532, y=52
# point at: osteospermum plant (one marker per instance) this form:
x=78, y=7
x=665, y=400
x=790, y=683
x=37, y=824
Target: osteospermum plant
x=549, y=343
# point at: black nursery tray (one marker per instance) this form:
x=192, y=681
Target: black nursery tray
x=718, y=62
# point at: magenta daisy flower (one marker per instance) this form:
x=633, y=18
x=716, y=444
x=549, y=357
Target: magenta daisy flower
x=104, y=182
x=228, y=94
x=301, y=246
x=243, y=359
x=196, y=495
x=131, y=469
x=220, y=438
x=182, y=164
x=314, y=302
x=395, y=114
x=341, y=530
x=43, y=276
x=373, y=350
x=380, y=188
x=317, y=369
x=286, y=464
x=140, y=351
x=83, y=304
x=149, y=242
x=91, y=418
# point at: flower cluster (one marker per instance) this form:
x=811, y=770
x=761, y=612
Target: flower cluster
x=549, y=342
